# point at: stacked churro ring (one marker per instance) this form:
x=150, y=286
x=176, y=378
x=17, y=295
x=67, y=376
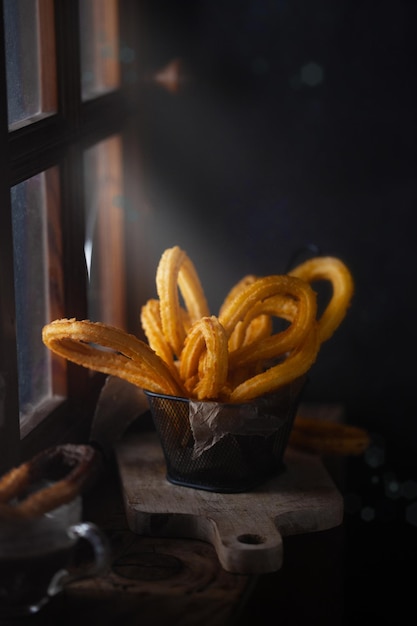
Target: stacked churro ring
x=234, y=357
x=67, y=469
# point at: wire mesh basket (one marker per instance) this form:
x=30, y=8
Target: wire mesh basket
x=225, y=448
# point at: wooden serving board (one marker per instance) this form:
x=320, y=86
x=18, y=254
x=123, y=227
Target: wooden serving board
x=246, y=529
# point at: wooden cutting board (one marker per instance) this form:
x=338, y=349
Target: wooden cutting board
x=246, y=529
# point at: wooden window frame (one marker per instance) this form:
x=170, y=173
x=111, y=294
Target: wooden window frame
x=57, y=140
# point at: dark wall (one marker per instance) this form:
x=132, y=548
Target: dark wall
x=297, y=126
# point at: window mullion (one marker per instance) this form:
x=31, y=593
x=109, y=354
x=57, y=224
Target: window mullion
x=75, y=268
x=68, y=61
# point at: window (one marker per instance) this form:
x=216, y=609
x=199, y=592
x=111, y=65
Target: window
x=30, y=60
x=67, y=122
x=38, y=283
x=104, y=238
x=99, y=46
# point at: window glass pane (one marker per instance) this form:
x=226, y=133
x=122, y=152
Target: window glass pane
x=30, y=60
x=104, y=245
x=99, y=37
x=39, y=290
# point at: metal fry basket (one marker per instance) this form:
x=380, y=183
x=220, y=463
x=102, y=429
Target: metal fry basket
x=226, y=448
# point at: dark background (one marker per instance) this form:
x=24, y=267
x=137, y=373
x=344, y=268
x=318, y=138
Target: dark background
x=296, y=125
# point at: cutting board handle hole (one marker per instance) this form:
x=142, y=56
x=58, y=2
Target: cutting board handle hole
x=251, y=539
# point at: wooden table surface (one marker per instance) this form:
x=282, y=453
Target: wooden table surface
x=172, y=581
x=151, y=580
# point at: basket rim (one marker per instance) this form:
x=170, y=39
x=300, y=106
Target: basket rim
x=185, y=399
x=165, y=396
